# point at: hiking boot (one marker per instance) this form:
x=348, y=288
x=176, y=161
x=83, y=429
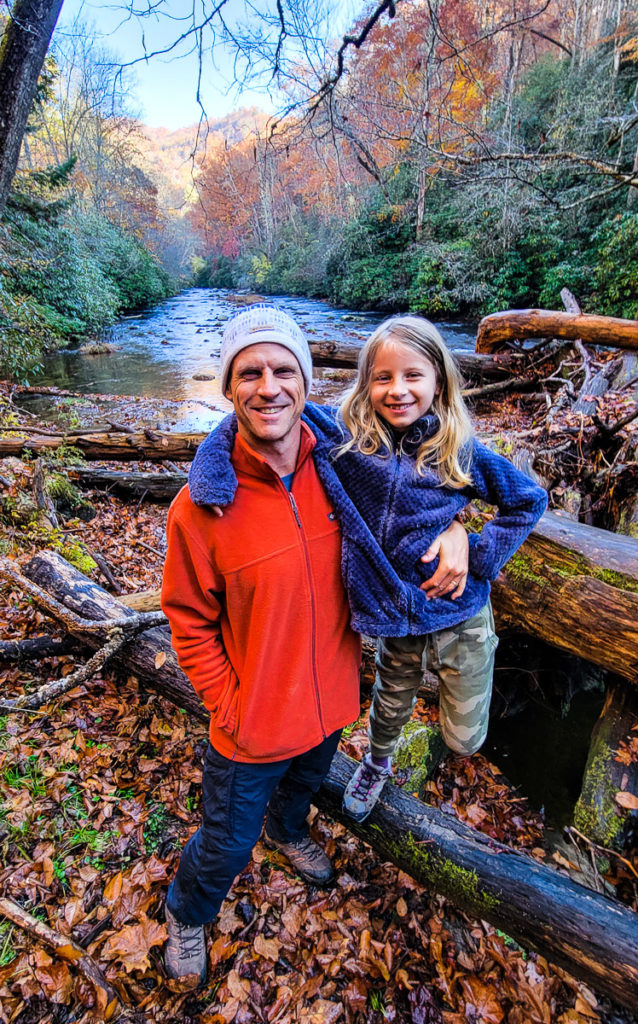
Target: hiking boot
x=185, y=953
x=364, y=788
x=306, y=857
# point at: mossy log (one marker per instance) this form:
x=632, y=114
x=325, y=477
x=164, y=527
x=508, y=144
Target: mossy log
x=575, y=587
x=497, y=329
x=591, y=936
x=598, y=814
x=152, y=445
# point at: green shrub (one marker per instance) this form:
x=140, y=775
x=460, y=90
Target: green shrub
x=615, y=249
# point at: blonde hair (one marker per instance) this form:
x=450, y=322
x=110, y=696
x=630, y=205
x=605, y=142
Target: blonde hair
x=444, y=450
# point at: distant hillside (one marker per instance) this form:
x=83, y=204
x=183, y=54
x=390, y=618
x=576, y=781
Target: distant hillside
x=171, y=156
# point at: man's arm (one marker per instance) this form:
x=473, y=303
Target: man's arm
x=452, y=547
x=192, y=596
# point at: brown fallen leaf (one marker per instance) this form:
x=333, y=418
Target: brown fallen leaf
x=268, y=948
x=132, y=943
x=627, y=800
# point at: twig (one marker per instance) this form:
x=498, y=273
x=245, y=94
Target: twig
x=105, y=569
x=162, y=554
x=610, y=431
x=107, y=1000
x=59, y=686
x=602, y=849
x=499, y=386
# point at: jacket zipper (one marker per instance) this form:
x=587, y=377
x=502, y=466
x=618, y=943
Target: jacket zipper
x=395, y=479
x=315, y=674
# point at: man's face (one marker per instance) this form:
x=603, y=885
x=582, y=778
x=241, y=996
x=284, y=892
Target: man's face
x=266, y=387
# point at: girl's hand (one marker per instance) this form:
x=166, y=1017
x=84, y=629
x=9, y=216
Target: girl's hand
x=217, y=510
x=450, y=577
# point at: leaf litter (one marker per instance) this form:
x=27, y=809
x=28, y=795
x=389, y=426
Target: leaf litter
x=100, y=791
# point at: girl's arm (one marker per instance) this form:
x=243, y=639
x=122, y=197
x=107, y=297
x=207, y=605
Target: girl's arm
x=520, y=503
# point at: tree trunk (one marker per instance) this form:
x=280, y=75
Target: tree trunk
x=575, y=587
x=591, y=936
x=24, y=45
x=519, y=324
x=598, y=814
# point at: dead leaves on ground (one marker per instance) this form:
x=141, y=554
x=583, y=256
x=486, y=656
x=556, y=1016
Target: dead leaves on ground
x=101, y=791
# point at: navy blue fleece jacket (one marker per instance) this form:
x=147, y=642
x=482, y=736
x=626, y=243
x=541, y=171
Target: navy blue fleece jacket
x=390, y=515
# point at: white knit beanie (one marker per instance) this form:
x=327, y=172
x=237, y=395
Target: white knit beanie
x=264, y=323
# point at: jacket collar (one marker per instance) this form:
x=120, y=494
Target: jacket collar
x=410, y=440
x=212, y=478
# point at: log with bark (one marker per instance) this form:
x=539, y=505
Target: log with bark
x=159, y=487
x=473, y=365
x=593, y=937
x=608, y=794
x=575, y=587
x=497, y=329
x=152, y=445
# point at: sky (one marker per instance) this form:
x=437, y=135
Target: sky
x=165, y=87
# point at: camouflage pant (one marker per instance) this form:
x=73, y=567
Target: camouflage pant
x=462, y=657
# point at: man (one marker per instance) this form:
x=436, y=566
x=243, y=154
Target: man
x=260, y=624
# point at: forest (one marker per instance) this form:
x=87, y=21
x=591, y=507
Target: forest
x=468, y=162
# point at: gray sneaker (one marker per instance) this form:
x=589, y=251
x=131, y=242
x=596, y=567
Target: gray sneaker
x=364, y=789
x=306, y=857
x=185, y=953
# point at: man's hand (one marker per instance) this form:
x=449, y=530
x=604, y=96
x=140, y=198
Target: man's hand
x=450, y=577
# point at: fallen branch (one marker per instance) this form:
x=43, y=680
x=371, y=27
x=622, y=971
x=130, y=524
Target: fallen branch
x=36, y=647
x=107, y=1001
x=31, y=701
x=593, y=937
x=518, y=324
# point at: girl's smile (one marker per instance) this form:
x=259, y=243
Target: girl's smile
x=402, y=385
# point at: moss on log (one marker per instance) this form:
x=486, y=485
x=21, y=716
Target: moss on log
x=575, y=587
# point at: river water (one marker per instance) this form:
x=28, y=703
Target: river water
x=160, y=352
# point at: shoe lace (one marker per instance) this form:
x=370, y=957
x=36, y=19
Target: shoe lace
x=366, y=778
x=190, y=940
x=309, y=848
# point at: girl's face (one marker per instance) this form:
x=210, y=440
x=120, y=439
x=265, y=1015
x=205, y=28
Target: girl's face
x=402, y=384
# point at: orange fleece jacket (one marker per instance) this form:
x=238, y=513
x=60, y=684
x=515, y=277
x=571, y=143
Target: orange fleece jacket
x=258, y=612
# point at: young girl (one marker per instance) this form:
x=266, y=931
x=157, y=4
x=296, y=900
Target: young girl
x=410, y=464
x=398, y=463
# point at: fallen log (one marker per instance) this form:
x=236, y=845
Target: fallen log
x=592, y=936
x=473, y=365
x=575, y=587
x=151, y=445
x=158, y=487
x=518, y=324
x=36, y=647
